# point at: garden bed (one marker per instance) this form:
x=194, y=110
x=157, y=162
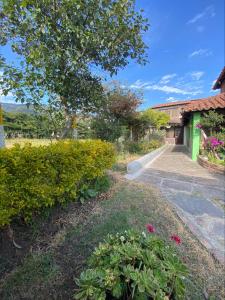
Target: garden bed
x=212, y=167
x=57, y=247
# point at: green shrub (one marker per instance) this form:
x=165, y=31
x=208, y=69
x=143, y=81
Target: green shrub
x=133, y=147
x=93, y=188
x=149, y=146
x=133, y=266
x=143, y=147
x=215, y=160
x=32, y=178
x=157, y=135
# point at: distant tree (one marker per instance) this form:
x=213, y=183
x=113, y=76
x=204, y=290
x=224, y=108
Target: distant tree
x=59, y=42
x=42, y=124
x=123, y=103
x=84, y=129
x=154, y=118
x=114, y=118
x=146, y=120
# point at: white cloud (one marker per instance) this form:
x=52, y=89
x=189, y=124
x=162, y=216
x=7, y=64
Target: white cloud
x=138, y=84
x=169, y=89
x=208, y=12
x=200, y=52
x=189, y=85
x=197, y=75
x=171, y=99
x=167, y=78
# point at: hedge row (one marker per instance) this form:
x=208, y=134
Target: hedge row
x=32, y=178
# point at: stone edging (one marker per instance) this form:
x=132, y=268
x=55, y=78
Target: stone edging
x=210, y=166
x=136, y=167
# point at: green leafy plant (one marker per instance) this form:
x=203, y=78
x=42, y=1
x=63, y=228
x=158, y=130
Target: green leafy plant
x=133, y=266
x=215, y=160
x=34, y=178
x=91, y=190
x=142, y=147
x=212, y=121
x=133, y=147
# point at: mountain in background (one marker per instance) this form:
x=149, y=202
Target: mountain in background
x=16, y=108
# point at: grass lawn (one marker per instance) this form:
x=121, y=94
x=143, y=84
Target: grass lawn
x=56, y=256
x=34, y=142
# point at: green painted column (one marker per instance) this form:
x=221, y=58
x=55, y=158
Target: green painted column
x=195, y=135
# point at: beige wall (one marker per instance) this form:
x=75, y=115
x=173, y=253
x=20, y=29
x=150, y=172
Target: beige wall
x=174, y=112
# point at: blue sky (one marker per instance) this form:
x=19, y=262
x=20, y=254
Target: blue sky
x=186, y=51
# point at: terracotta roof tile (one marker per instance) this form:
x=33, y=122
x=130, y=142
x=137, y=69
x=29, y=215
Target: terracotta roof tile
x=171, y=104
x=219, y=80
x=212, y=102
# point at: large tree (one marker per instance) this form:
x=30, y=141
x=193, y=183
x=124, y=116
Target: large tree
x=61, y=41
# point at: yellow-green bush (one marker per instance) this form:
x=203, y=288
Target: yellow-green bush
x=142, y=147
x=32, y=178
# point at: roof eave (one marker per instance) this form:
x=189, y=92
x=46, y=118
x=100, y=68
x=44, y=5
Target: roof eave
x=217, y=85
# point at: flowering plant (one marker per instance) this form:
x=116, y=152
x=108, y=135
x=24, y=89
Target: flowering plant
x=133, y=266
x=199, y=126
x=212, y=142
x=214, y=146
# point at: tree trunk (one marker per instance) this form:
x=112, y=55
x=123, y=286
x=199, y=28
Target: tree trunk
x=70, y=129
x=71, y=122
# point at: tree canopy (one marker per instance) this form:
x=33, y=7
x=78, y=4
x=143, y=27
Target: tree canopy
x=61, y=41
x=120, y=108
x=154, y=118
x=212, y=120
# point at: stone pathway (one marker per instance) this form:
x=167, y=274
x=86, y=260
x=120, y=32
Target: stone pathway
x=197, y=194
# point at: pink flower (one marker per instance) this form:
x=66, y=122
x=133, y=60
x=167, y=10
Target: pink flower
x=176, y=239
x=213, y=142
x=150, y=228
x=199, y=126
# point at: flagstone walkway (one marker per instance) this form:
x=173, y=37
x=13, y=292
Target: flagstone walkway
x=197, y=195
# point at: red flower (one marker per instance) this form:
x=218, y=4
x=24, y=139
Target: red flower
x=150, y=228
x=176, y=239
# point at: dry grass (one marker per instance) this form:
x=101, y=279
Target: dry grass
x=122, y=160
x=34, y=142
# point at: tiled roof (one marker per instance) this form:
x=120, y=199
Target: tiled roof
x=171, y=104
x=219, y=80
x=213, y=102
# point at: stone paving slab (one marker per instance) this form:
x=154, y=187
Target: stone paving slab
x=196, y=205
x=194, y=192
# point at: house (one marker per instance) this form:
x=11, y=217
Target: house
x=185, y=115
x=175, y=130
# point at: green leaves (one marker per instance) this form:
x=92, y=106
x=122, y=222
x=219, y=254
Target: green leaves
x=154, y=118
x=212, y=120
x=132, y=266
x=34, y=178
x=60, y=41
